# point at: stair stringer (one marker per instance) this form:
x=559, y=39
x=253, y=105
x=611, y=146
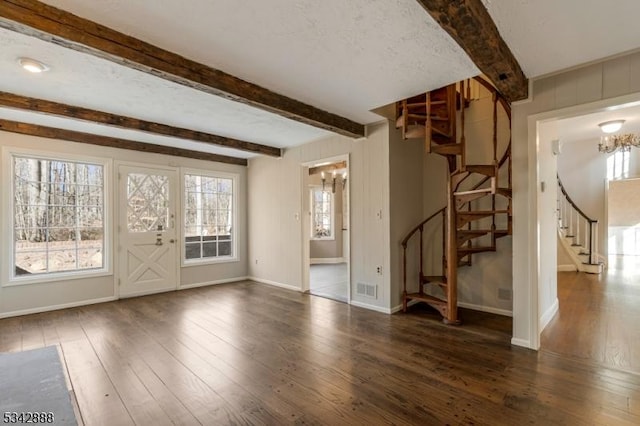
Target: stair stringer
x=575, y=253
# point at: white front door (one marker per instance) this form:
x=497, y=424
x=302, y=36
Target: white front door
x=148, y=260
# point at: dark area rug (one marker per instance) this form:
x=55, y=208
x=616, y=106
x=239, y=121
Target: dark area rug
x=32, y=383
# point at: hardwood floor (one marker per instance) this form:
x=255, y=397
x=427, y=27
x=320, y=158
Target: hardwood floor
x=246, y=353
x=599, y=316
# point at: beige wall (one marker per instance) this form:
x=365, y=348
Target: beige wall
x=580, y=91
x=624, y=202
x=33, y=297
x=406, y=195
x=276, y=208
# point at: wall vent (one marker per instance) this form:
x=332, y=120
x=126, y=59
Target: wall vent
x=367, y=290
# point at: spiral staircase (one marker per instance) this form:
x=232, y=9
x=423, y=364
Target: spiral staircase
x=479, y=207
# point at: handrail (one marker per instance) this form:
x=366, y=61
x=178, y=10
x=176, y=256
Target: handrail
x=417, y=228
x=591, y=225
x=564, y=192
x=420, y=228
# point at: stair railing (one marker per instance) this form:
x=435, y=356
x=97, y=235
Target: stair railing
x=420, y=229
x=577, y=224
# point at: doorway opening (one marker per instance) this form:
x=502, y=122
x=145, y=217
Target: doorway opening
x=326, y=229
x=593, y=309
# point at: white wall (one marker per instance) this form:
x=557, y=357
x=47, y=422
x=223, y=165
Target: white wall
x=36, y=297
x=548, y=229
x=276, y=207
x=574, y=92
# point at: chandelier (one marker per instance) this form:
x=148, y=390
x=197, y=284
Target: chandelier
x=611, y=143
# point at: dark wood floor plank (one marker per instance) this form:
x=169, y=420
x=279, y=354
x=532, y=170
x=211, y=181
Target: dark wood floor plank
x=245, y=353
x=98, y=399
x=293, y=388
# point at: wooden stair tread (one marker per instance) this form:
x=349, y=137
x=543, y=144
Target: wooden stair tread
x=474, y=191
x=483, y=169
x=505, y=192
x=423, y=103
x=434, y=279
x=424, y=117
x=426, y=298
x=447, y=149
x=482, y=212
x=474, y=231
x=469, y=250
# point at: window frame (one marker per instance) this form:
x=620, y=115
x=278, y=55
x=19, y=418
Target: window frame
x=332, y=224
x=7, y=234
x=235, y=178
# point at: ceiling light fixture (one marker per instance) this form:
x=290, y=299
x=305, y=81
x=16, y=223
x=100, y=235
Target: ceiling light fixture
x=32, y=65
x=624, y=143
x=611, y=126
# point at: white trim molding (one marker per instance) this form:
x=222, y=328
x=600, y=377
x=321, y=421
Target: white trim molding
x=489, y=309
x=208, y=283
x=522, y=343
x=275, y=284
x=326, y=260
x=374, y=307
x=548, y=315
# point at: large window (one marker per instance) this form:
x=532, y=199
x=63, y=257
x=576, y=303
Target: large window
x=321, y=214
x=58, y=216
x=209, y=217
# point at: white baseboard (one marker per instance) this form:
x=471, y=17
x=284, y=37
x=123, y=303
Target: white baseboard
x=326, y=260
x=275, y=284
x=488, y=309
x=548, y=315
x=567, y=268
x=57, y=307
x=224, y=281
x=372, y=307
x=399, y=307
x=396, y=309
x=521, y=342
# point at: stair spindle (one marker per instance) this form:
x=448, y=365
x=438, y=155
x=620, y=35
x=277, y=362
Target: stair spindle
x=463, y=160
x=421, y=291
x=427, y=125
x=495, y=128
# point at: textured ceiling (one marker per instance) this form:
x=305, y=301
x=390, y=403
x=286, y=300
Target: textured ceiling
x=83, y=80
x=550, y=35
x=346, y=57
x=585, y=127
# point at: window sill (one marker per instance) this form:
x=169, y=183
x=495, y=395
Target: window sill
x=56, y=277
x=205, y=262
x=323, y=238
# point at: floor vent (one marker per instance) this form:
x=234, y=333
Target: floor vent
x=368, y=290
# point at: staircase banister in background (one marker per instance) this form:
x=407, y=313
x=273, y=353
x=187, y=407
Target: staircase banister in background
x=564, y=192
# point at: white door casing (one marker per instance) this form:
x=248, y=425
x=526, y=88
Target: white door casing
x=148, y=261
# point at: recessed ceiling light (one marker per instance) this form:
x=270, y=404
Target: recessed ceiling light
x=32, y=65
x=611, y=126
